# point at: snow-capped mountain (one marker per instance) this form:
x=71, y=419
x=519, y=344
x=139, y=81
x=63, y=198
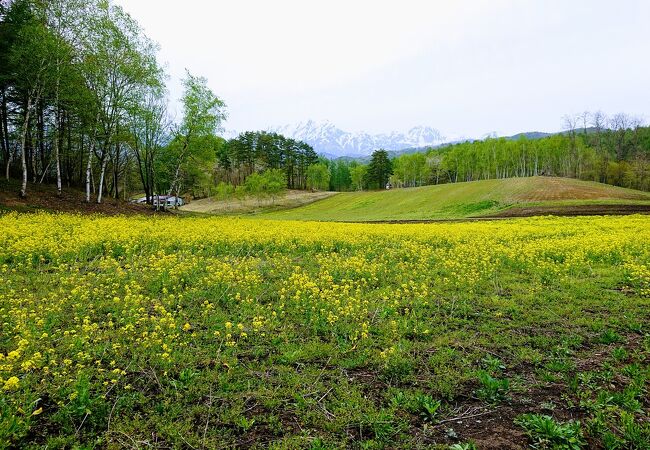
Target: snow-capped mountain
x=329, y=140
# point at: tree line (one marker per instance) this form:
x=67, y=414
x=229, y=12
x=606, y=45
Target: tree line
x=614, y=150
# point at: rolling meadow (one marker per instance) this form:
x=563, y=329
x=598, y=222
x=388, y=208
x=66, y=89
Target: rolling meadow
x=186, y=332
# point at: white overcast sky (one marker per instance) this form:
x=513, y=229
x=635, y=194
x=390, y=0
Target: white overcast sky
x=465, y=67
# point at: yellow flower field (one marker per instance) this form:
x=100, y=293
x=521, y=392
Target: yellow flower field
x=216, y=332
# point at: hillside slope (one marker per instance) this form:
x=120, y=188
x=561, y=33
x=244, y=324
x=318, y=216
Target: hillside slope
x=472, y=199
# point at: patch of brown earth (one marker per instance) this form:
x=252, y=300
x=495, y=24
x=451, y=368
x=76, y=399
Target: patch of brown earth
x=43, y=197
x=493, y=427
x=553, y=188
x=533, y=211
x=571, y=210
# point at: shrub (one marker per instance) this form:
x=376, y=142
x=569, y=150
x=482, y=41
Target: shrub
x=546, y=433
x=224, y=191
x=492, y=389
x=267, y=184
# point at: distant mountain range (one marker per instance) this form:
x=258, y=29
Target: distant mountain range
x=332, y=142
x=329, y=140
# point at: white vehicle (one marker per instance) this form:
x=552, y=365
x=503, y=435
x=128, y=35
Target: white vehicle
x=167, y=201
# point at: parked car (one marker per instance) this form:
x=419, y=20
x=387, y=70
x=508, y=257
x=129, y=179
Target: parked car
x=167, y=201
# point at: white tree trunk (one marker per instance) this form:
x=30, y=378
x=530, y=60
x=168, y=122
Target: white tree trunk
x=23, y=139
x=56, y=141
x=58, y=169
x=8, y=166
x=175, y=180
x=100, y=189
x=89, y=169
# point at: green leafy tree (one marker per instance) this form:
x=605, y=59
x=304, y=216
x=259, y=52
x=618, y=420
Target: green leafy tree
x=203, y=113
x=318, y=177
x=117, y=61
x=411, y=170
x=224, y=191
x=340, y=175
x=275, y=182
x=30, y=60
x=358, y=175
x=148, y=127
x=270, y=183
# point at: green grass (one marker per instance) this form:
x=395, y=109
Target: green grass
x=461, y=200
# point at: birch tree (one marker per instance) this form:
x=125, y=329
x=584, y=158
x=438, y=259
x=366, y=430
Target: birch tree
x=30, y=59
x=203, y=113
x=119, y=61
x=149, y=126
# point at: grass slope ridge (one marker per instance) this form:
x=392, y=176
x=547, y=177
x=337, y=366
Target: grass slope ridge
x=468, y=199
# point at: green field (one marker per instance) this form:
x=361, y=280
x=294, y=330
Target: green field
x=212, y=332
x=459, y=200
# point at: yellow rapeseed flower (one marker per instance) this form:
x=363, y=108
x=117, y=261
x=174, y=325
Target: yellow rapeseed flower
x=11, y=384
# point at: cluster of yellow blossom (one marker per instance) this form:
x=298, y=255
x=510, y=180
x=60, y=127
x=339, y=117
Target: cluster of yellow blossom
x=638, y=276
x=105, y=299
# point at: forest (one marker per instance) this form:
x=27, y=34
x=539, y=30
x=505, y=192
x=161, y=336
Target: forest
x=84, y=104
x=83, y=98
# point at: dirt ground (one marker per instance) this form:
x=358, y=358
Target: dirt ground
x=554, y=188
x=572, y=210
x=42, y=197
x=494, y=428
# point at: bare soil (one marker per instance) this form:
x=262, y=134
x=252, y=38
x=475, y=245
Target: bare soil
x=572, y=210
x=532, y=211
x=43, y=197
x=556, y=188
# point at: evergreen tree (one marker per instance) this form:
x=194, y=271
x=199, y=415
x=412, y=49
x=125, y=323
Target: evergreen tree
x=253, y=152
x=379, y=170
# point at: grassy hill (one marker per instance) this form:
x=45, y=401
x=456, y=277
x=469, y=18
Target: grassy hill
x=507, y=197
